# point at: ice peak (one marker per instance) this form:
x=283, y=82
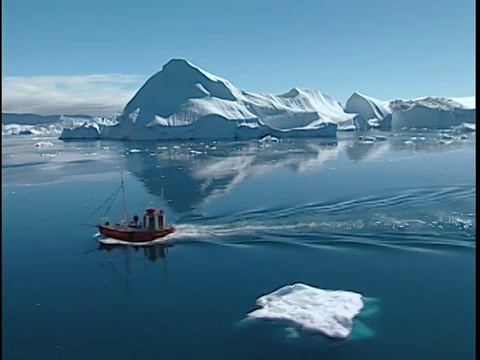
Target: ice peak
x=178, y=64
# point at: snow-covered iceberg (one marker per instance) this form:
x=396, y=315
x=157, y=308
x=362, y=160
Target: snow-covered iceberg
x=371, y=112
x=430, y=112
x=41, y=129
x=427, y=112
x=183, y=101
x=330, y=312
x=32, y=124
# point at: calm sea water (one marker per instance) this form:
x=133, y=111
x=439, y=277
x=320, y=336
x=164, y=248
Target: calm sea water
x=393, y=220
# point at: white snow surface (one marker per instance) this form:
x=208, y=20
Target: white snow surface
x=330, y=312
x=183, y=101
x=467, y=102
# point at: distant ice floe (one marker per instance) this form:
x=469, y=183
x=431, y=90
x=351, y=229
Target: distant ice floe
x=330, y=312
x=61, y=124
x=41, y=129
x=44, y=144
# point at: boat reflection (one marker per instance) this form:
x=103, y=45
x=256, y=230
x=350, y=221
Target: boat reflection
x=152, y=252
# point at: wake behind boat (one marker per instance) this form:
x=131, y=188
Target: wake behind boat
x=153, y=225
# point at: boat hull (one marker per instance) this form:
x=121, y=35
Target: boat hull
x=134, y=235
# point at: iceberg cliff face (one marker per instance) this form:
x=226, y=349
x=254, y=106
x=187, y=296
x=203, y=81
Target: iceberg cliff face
x=372, y=112
x=183, y=101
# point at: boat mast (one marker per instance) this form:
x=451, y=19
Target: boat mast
x=124, y=205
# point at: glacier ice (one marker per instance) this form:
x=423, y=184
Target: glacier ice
x=330, y=312
x=426, y=112
x=32, y=124
x=44, y=144
x=183, y=101
x=40, y=129
x=430, y=112
x=371, y=112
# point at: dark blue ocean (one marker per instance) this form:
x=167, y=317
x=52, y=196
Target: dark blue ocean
x=392, y=219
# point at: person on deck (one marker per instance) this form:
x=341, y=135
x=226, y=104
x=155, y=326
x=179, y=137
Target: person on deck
x=135, y=219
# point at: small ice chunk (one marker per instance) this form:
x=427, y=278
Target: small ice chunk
x=367, y=138
x=43, y=144
x=269, y=138
x=330, y=312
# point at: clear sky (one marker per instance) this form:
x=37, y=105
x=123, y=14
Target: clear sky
x=386, y=49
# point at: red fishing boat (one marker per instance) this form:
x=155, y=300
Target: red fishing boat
x=153, y=225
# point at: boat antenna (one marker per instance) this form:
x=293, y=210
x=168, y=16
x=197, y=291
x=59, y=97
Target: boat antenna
x=125, y=214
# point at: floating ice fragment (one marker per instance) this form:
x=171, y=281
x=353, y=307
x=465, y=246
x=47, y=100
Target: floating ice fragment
x=269, y=138
x=44, y=144
x=367, y=138
x=330, y=312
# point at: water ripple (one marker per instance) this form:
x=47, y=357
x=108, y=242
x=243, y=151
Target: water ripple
x=415, y=220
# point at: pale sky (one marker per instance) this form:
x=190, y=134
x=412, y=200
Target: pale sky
x=90, y=57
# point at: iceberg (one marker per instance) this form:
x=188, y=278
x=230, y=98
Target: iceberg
x=464, y=128
x=32, y=124
x=183, y=101
x=44, y=144
x=427, y=112
x=43, y=129
x=430, y=112
x=371, y=112
x=330, y=312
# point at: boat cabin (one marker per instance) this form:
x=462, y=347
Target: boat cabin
x=154, y=219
